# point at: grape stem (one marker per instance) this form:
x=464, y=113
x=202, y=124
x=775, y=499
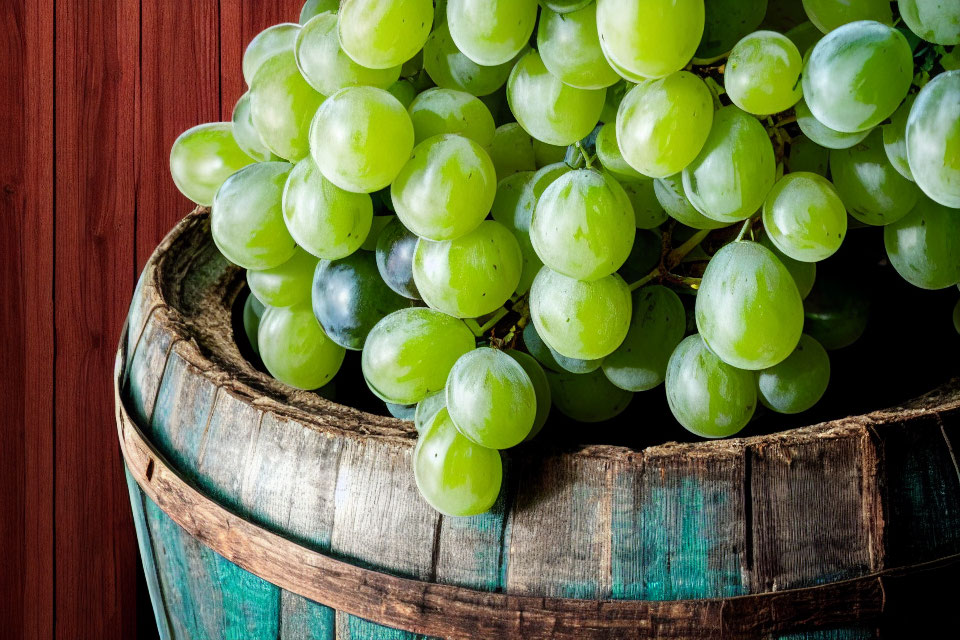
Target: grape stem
x=747, y=224
x=674, y=258
x=583, y=153
x=478, y=329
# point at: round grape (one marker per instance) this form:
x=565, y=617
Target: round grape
x=266, y=44
x=541, y=389
x=550, y=358
x=935, y=21
x=437, y=111
x=570, y=48
x=513, y=208
x=933, y=139
x=587, y=397
x=762, y=74
x=246, y=134
x=924, y=245
x=797, y=383
x=491, y=32
x=511, y=150
x=380, y=34
x=824, y=135
x=395, y=249
x=312, y=8
x=449, y=68
x=285, y=285
x=805, y=217
x=294, y=348
x=804, y=273
x=895, y=138
x=203, y=157
x=670, y=195
x=609, y=155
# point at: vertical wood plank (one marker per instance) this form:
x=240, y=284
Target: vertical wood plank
x=302, y=619
x=147, y=558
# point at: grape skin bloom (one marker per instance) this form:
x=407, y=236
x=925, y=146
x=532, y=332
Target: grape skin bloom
x=762, y=74
x=203, y=157
x=933, y=139
x=805, y=217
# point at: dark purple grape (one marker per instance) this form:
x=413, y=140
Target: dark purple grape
x=395, y=248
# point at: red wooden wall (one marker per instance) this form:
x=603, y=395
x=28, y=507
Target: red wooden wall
x=92, y=94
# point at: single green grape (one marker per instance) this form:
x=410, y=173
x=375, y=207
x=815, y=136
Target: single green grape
x=748, y=308
x=726, y=22
x=491, y=32
x=513, y=208
x=857, y=75
x=472, y=275
x=545, y=176
x=512, y=150
x=762, y=74
x=312, y=8
x=656, y=328
x=427, y=408
x=409, y=353
x=294, y=348
x=570, y=48
x=587, y=397
x=648, y=213
x=608, y=153
x=836, y=312
x=730, y=178
x=285, y=285
x=546, y=154
x=203, y=157
x=933, y=139
x=395, y=249
x=252, y=312
x=935, y=21
x=804, y=273
x=797, y=383
x=644, y=256
x=924, y=245
x=437, y=111
x=895, y=138
x=804, y=35
x=276, y=39
x=583, y=320
x=824, y=135
x=451, y=69
x=871, y=188
x=827, y=15
x=541, y=389
x=380, y=34
x=246, y=134
x=670, y=195
x=324, y=219
x=246, y=219
x=807, y=155
x=547, y=109
x=709, y=397
x=360, y=138
x=650, y=38
x=403, y=91
x=551, y=359
x=663, y=124
x=805, y=217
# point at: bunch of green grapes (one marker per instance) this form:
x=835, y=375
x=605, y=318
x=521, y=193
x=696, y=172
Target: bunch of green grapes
x=509, y=206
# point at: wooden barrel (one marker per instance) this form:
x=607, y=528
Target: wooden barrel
x=266, y=512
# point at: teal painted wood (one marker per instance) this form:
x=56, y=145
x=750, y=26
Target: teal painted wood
x=251, y=605
x=302, y=619
x=147, y=557
x=147, y=364
x=356, y=628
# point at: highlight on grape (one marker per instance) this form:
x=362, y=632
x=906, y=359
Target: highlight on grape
x=511, y=207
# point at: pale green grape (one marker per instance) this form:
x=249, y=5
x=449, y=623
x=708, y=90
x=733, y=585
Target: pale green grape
x=450, y=69
x=648, y=213
x=827, y=15
x=404, y=91
x=491, y=398
x=797, y=383
x=427, y=408
x=246, y=134
x=725, y=22
x=824, y=135
x=294, y=348
x=513, y=208
x=326, y=67
x=380, y=34
x=805, y=35
x=511, y=150
x=895, y=138
x=933, y=20
x=762, y=74
x=748, y=308
x=924, y=245
x=409, y=353
x=472, y=275
x=650, y=38
x=273, y=40
x=656, y=328
x=564, y=6
x=323, y=218
x=546, y=108
x=282, y=105
x=285, y=285
x=731, y=177
x=663, y=124
x=455, y=476
x=612, y=101
x=583, y=320
x=807, y=155
x=587, y=397
x=203, y=157
x=246, y=219
x=857, y=75
x=873, y=191
x=706, y=395
x=437, y=111
x=546, y=154
x=491, y=32
x=805, y=217
x=252, y=312
x=804, y=273
x=933, y=139
x=583, y=225
x=545, y=176
x=360, y=138
x=551, y=359
x=670, y=195
x=570, y=48
x=541, y=389
x=836, y=312
x=608, y=153
x=446, y=189
x=312, y=8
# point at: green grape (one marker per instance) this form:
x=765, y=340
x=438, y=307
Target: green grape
x=545, y=176
x=873, y=191
x=360, y=138
x=282, y=105
x=246, y=219
x=472, y=275
x=804, y=273
x=446, y=189
x=376, y=227
x=294, y=348
x=824, y=135
x=827, y=15
x=587, y=397
x=650, y=38
x=403, y=91
x=252, y=312
x=648, y=213
x=285, y=285
x=513, y=208
x=933, y=139
x=323, y=218
x=807, y=155
x=656, y=328
x=805, y=217
x=709, y=397
x=455, y=476
x=564, y=6
x=748, y=308
x=437, y=111
x=644, y=256
x=327, y=68
x=511, y=150
x=735, y=170
x=312, y=8
x=583, y=225
x=783, y=14
x=935, y=21
x=670, y=195
x=395, y=248
x=895, y=138
x=551, y=359
x=279, y=38
x=450, y=69
x=924, y=245
x=612, y=101
x=805, y=35
x=762, y=74
x=380, y=34
x=246, y=134
x=427, y=408
x=491, y=398
x=956, y=317
x=491, y=32
x=797, y=383
x=836, y=312
x=546, y=154
x=547, y=109
x=725, y=22
x=663, y=124
x=608, y=153
x=570, y=48
x=857, y=75
x=409, y=353
x=541, y=389
x=583, y=320
x=203, y=157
